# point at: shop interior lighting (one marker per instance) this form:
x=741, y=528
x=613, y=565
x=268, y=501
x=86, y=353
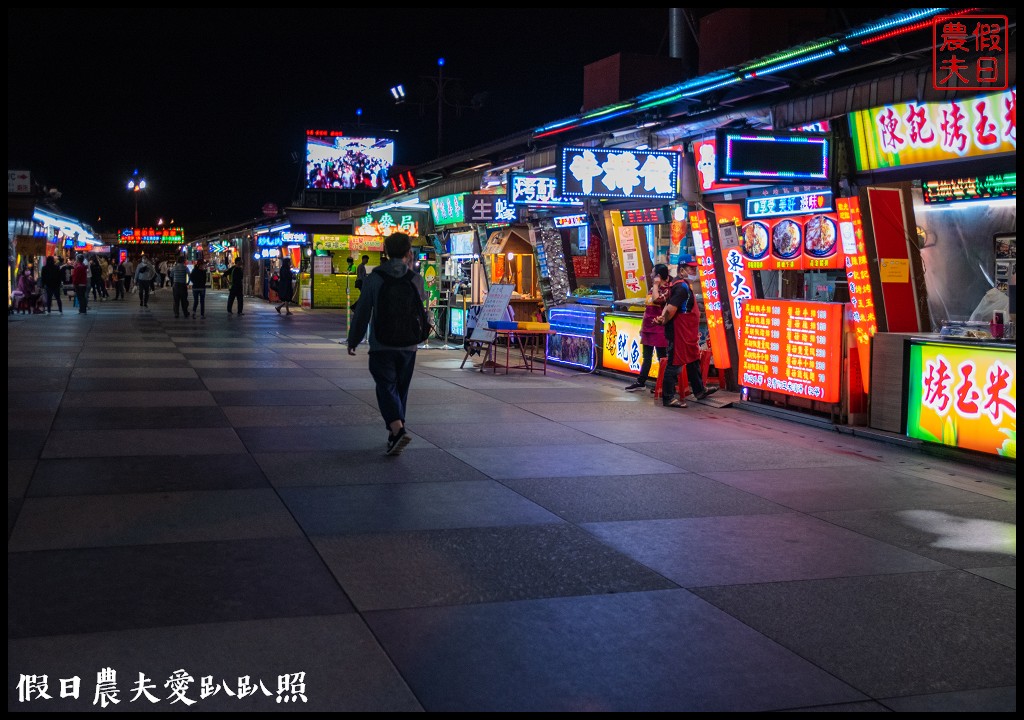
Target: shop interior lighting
x=960, y=205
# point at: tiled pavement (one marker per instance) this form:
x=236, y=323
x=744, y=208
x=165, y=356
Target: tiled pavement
x=211, y=496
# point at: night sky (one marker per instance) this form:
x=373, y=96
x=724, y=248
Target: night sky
x=211, y=106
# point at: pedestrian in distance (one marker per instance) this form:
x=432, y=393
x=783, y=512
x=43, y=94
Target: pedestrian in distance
x=179, y=286
x=681, y=318
x=145, y=276
x=199, y=277
x=235, y=277
x=161, y=270
x=360, y=278
x=393, y=312
x=80, y=281
x=118, y=280
x=51, y=280
x=285, y=289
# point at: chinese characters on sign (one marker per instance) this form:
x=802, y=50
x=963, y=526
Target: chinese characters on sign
x=480, y=208
x=384, y=223
x=970, y=52
x=792, y=347
x=912, y=133
x=621, y=350
x=862, y=299
x=710, y=289
x=798, y=204
x=963, y=397
x=972, y=188
x=291, y=687
x=169, y=235
x=601, y=172
x=536, y=190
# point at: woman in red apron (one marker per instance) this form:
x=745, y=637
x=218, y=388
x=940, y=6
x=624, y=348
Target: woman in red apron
x=682, y=318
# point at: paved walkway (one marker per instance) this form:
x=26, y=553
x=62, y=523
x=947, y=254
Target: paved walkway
x=206, y=503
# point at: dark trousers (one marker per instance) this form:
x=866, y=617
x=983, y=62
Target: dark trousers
x=234, y=294
x=179, y=293
x=199, y=300
x=98, y=289
x=670, y=384
x=645, y=366
x=392, y=372
x=51, y=295
x=144, y=286
x=119, y=289
x=82, y=293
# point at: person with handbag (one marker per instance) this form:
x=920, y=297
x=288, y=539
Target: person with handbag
x=652, y=335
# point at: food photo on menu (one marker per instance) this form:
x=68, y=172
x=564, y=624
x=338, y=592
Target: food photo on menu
x=755, y=240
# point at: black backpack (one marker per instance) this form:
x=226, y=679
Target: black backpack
x=399, y=318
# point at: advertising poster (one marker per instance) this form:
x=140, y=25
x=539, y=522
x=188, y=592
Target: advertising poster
x=621, y=350
x=964, y=397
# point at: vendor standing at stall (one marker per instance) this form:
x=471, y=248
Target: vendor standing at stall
x=681, y=319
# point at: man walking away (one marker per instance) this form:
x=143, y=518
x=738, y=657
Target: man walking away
x=80, y=279
x=129, y=273
x=388, y=307
x=145, y=275
x=51, y=282
x=199, y=279
x=179, y=286
x=235, y=276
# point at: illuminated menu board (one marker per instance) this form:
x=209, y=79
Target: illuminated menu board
x=800, y=242
x=963, y=396
x=645, y=216
x=974, y=188
x=710, y=288
x=795, y=204
x=792, y=347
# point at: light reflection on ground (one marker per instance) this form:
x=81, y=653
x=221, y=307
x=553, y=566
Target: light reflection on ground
x=957, y=533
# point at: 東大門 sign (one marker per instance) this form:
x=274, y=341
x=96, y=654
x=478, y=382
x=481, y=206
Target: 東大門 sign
x=894, y=136
x=614, y=173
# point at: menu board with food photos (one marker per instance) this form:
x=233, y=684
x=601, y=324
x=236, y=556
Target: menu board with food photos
x=802, y=242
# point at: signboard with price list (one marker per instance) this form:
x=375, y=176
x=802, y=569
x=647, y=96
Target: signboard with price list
x=792, y=347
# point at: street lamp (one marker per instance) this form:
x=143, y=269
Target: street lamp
x=136, y=185
x=442, y=96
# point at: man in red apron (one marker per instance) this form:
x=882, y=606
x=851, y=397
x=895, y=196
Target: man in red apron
x=681, y=319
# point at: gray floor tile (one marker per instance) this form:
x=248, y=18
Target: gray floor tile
x=474, y=565
x=312, y=416
x=1003, y=699
x=34, y=360
x=1003, y=575
x=19, y=474
x=559, y=461
x=129, y=384
x=353, y=438
x=260, y=384
x=33, y=400
x=155, y=375
x=523, y=396
x=243, y=364
x=413, y=506
x=286, y=398
x=853, y=487
x=139, y=418
x=266, y=373
x=535, y=432
x=80, y=521
x=19, y=419
x=598, y=410
x=415, y=464
x=149, y=398
x=665, y=426
x=145, y=473
x=344, y=668
x=146, y=586
x=466, y=413
x=638, y=497
x=590, y=654
x=868, y=706
x=709, y=455
x=25, y=444
x=157, y=364
x=419, y=396
x=56, y=383
x=135, y=355
x=696, y=552
x=970, y=535
x=889, y=635
x=118, y=443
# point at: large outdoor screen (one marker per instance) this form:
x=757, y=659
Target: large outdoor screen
x=341, y=162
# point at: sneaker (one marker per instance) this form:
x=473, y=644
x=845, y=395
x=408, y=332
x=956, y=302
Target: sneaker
x=634, y=386
x=278, y=308
x=675, y=403
x=397, y=442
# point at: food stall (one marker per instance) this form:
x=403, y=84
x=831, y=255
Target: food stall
x=334, y=262
x=939, y=180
